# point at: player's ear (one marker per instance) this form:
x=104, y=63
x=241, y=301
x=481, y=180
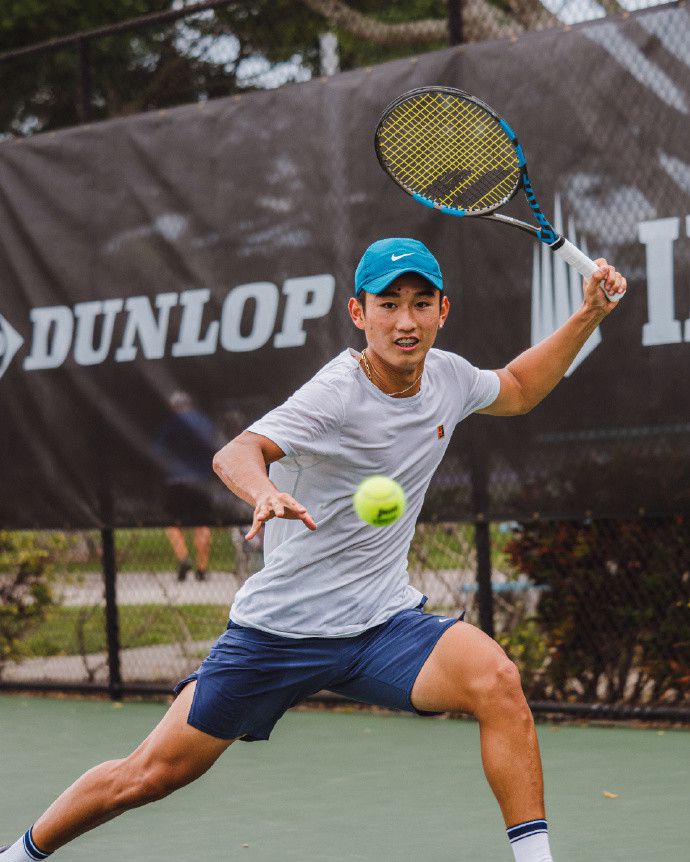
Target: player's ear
x=445, y=308
x=356, y=309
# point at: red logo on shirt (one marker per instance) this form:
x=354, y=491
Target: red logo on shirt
x=441, y=433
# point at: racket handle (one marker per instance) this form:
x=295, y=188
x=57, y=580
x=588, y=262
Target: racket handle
x=572, y=255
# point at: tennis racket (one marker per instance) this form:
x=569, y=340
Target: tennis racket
x=452, y=152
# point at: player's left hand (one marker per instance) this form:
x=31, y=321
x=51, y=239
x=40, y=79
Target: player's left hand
x=605, y=276
x=277, y=504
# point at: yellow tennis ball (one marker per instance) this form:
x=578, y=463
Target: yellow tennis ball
x=379, y=501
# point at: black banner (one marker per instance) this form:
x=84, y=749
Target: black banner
x=168, y=278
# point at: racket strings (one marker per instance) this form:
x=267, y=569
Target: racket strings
x=449, y=150
x=411, y=132
x=441, y=123
x=444, y=122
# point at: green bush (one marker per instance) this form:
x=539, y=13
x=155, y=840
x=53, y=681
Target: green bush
x=26, y=564
x=616, y=615
x=526, y=646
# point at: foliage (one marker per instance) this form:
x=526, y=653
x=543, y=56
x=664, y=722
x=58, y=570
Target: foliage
x=526, y=646
x=241, y=45
x=154, y=67
x=42, y=91
x=616, y=614
x=355, y=52
x=26, y=563
x=442, y=546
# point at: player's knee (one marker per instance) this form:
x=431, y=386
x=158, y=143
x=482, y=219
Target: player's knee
x=501, y=687
x=143, y=782
x=508, y=678
x=156, y=782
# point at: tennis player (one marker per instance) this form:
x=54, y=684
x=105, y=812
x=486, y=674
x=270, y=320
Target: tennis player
x=333, y=608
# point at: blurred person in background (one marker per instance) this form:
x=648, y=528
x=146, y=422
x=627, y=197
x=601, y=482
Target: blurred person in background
x=185, y=447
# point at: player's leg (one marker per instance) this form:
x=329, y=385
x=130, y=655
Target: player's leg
x=202, y=545
x=468, y=672
x=179, y=547
x=174, y=754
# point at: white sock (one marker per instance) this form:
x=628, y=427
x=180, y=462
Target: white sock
x=530, y=841
x=24, y=850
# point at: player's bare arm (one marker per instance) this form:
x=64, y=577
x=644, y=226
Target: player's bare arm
x=241, y=466
x=530, y=377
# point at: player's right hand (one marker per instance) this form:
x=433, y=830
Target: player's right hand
x=276, y=504
x=605, y=278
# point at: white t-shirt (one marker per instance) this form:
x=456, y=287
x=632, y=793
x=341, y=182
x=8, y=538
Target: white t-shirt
x=336, y=430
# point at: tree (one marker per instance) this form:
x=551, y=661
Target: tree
x=26, y=561
x=426, y=23
x=200, y=57
x=255, y=43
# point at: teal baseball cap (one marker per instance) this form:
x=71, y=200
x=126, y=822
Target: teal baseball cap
x=386, y=259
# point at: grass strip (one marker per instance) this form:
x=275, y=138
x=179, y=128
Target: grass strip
x=81, y=630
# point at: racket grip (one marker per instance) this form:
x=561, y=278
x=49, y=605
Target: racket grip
x=572, y=255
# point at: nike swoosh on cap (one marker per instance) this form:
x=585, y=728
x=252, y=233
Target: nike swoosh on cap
x=395, y=257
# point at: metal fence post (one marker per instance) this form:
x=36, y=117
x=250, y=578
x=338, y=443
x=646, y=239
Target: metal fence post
x=112, y=623
x=85, y=88
x=485, y=596
x=482, y=537
x=455, y=34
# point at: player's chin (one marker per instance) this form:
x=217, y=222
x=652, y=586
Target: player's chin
x=406, y=361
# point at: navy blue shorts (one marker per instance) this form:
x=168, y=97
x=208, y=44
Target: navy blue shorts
x=250, y=678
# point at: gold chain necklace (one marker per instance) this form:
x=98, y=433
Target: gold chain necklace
x=368, y=371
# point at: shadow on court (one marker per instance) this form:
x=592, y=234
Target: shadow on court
x=354, y=787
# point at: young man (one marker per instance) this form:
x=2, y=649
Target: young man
x=333, y=608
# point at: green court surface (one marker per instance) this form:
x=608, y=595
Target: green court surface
x=352, y=787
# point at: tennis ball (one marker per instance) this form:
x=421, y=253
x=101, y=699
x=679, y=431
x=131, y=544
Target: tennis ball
x=379, y=501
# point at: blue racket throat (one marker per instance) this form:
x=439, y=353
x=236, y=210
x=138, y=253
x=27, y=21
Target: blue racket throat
x=546, y=233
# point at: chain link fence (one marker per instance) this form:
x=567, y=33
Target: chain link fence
x=169, y=612
x=193, y=52
x=596, y=614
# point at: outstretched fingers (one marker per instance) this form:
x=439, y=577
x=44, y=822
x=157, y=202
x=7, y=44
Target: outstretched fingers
x=307, y=519
x=278, y=505
x=261, y=515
